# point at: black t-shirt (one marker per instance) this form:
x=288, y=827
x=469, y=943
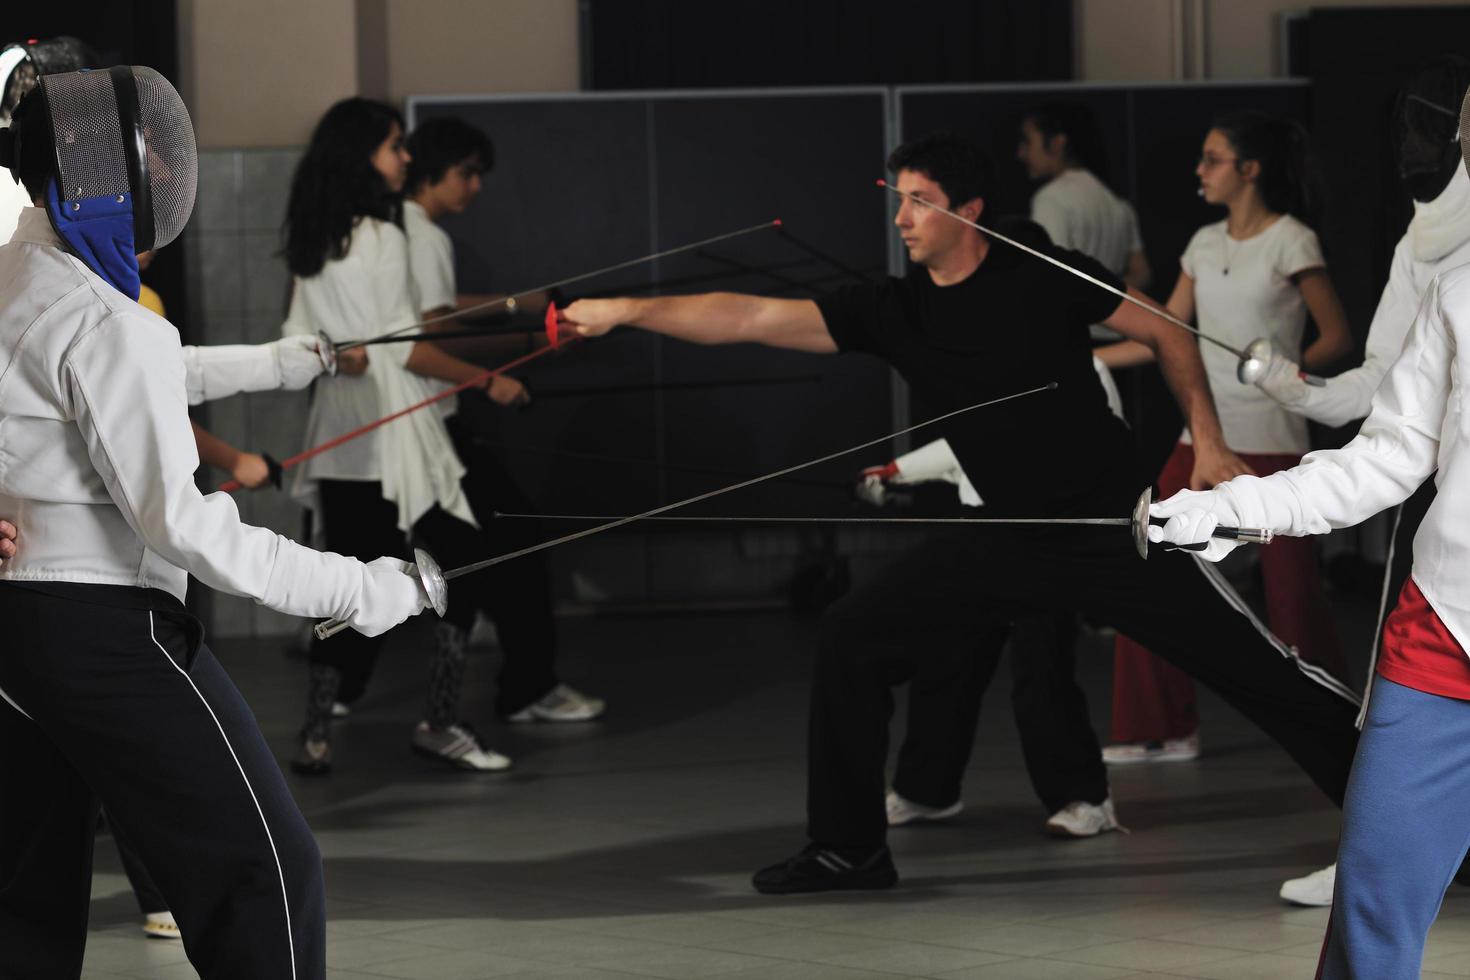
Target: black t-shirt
x=1016, y=323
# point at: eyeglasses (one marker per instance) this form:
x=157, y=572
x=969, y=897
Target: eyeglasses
x=1209, y=161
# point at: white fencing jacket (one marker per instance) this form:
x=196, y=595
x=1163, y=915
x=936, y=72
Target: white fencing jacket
x=1415, y=427
x=97, y=457
x=1437, y=240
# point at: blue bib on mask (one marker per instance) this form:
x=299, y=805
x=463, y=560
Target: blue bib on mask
x=100, y=231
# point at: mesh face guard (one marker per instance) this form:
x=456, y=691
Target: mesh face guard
x=1464, y=133
x=126, y=167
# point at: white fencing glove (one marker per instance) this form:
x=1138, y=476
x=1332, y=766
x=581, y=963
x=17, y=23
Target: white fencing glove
x=872, y=485
x=1191, y=516
x=933, y=462
x=391, y=592
x=299, y=361
x=1283, y=380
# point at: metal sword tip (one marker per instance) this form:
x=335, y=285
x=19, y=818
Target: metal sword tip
x=777, y=222
x=1052, y=386
x=882, y=182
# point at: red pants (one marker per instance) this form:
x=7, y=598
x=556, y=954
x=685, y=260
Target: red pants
x=1154, y=701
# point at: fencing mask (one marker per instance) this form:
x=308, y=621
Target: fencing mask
x=1424, y=115
x=125, y=166
x=1464, y=131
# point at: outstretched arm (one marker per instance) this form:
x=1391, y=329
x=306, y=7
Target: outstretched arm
x=710, y=318
x=1395, y=451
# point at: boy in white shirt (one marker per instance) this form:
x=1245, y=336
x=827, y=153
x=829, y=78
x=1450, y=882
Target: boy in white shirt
x=447, y=159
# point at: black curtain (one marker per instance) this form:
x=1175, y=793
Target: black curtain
x=637, y=44
x=1357, y=60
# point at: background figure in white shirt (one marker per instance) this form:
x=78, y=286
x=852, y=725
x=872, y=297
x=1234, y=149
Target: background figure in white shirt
x=1257, y=273
x=1059, y=145
x=448, y=159
x=349, y=257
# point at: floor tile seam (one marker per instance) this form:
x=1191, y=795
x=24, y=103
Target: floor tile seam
x=1063, y=956
x=805, y=960
x=689, y=945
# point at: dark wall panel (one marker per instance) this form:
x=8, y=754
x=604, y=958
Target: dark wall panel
x=584, y=183
x=646, y=44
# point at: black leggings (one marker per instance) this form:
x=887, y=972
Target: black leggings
x=358, y=521
x=949, y=593
x=1058, y=742
x=126, y=708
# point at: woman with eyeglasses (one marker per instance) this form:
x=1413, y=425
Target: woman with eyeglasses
x=1257, y=273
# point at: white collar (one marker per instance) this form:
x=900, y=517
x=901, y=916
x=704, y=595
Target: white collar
x=1442, y=225
x=34, y=225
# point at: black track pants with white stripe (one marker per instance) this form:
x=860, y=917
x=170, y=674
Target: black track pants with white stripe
x=945, y=594
x=127, y=709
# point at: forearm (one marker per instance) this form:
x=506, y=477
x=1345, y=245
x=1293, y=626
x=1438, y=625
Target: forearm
x=1184, y=371
x=228, y=369
x=1124, y=354
x=491, y=347
x=1331, y=488
x=428, y=360
x=1341, y=400
x=706, y=318
x=1324, y=352
x=214, y=451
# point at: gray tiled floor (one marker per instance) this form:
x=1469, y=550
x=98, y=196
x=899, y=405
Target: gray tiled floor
x=622, y=849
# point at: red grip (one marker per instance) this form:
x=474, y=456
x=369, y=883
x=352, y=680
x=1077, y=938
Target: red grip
x=553, y=326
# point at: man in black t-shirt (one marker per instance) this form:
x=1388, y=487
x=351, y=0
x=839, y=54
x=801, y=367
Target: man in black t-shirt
x=974, y=321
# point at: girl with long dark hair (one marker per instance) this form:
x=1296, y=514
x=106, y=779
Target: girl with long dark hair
x=349, y=257
x=1257, y=273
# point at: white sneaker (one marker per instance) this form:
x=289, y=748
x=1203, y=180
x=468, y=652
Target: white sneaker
x=161, y=925
x=340, y=710
x=902, y=811
x=1079, y=819
x=1314, y=890
x=561, y=703
x=1170, y=750
x=459, y=746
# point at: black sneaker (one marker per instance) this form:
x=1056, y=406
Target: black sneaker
x=822, y=869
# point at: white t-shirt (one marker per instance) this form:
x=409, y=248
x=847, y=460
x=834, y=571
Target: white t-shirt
x=431, y=257
x=1254, y=298
x=1079, y=212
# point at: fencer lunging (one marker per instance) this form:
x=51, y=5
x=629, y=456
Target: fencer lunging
x=976, y=318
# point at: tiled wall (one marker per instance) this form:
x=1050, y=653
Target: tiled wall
x=238, y=296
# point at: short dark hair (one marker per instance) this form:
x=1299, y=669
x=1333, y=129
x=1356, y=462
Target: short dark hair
x=1078, y=125
x=959, y=165
x=442, y=142
x=51, y=56
x=27, y=145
